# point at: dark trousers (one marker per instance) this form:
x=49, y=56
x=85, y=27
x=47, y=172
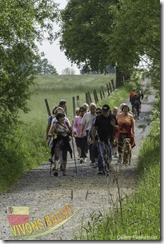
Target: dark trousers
x=81, y=143
x=137, y=107
x=91, y=150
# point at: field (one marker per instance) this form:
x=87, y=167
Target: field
x=54, y=88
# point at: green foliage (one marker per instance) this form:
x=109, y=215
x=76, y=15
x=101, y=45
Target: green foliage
x=136, y=32
x=22, y=25
x=83, y=25
x=123, y=33
x=43, y=67
x=23, y=151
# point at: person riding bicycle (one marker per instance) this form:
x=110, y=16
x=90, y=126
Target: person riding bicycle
x=104, y=126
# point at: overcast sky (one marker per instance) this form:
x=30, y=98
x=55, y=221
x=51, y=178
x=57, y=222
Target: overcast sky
x=53, y=53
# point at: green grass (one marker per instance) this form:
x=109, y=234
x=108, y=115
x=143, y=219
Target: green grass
x=54, y=88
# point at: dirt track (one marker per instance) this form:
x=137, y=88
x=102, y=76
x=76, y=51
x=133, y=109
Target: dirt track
x=85, y=190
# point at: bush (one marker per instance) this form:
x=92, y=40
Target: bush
x=23, y=150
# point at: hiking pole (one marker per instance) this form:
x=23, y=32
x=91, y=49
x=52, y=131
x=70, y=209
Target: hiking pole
x=47, y=106
x=73, y=149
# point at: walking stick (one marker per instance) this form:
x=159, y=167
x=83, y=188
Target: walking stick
x=73, y=149
x=47, y=106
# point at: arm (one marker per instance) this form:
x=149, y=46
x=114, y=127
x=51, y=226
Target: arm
x=133, y=123
x=48, y=128
x=94, y=129
x=116, y=127
x=52, y=129
x=74, y=126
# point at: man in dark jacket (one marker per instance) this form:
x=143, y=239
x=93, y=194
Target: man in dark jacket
x=104, y=125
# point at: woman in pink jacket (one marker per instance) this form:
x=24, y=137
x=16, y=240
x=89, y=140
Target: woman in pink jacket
x=80, y=138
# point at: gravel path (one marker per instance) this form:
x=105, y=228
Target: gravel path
x=85, y=190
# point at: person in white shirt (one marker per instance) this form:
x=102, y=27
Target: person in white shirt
x=86, y=124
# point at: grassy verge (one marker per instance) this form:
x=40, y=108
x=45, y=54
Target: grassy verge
x=24, y=151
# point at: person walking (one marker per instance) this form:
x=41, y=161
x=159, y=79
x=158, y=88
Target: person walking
x=50, y=118
x=63, y=104
x=115, y=133
x=86, y=125
x=104, y=125
x=95, y=143
x=80, y=138
x=61, y=132
x=136, y=103
x=126, y=124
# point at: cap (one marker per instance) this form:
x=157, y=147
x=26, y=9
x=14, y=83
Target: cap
x=105, y=107
x=62, y=101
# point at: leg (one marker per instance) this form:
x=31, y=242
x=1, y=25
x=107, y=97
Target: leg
x=108, y=156
x=100, y=158
x=64, y=162
x=82, y=148
x=120, y=145
x=56, y=159
x=78, y=146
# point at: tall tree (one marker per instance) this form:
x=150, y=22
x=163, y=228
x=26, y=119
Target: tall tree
x=83, y=25
x=136, y=34
x=97, y=33
x=42, y=66
x=23, y=23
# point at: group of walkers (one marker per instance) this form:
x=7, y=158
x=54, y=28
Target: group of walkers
x=98, y=131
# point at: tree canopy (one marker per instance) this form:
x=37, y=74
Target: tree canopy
x=42, y=66
x=97, y=33
x=23, y=23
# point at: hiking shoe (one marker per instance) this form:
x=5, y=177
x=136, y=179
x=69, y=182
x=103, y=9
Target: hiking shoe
x=55, y=173
x=91, y=164
x=115, y=155
x=94, y=165
x=100, y=172
x=50, y=160
x=85, y=159
x=64, y=174
x=81, y=161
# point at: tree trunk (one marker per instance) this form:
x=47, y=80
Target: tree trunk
x=119, y=77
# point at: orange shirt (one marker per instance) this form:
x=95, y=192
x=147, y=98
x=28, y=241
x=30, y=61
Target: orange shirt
x=125, y=119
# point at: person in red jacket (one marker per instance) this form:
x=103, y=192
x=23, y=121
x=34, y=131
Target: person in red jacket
x=132, y=93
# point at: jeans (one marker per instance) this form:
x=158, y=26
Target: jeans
x=105, y=154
